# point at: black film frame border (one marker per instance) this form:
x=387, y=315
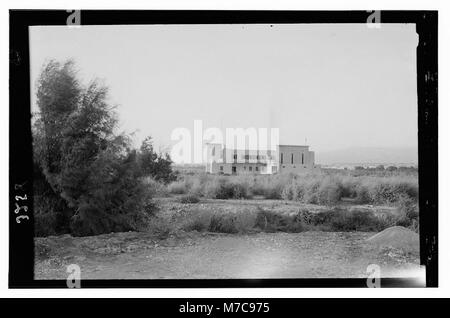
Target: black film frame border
x=21, y=247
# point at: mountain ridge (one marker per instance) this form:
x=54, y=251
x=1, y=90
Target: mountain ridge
x=368, y=155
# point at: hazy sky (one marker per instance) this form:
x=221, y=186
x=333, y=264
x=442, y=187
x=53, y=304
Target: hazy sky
x=339, y=86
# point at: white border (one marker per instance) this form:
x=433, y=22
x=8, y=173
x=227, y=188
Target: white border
x=444, y=217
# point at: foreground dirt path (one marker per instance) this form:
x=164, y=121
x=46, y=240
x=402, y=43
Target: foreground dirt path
x=207, y=255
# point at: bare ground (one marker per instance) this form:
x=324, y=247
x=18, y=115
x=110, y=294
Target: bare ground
x=180, y=255
x=183, y=255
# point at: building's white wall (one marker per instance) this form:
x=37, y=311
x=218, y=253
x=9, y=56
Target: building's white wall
x=243, y=159
x=215, y=168
x=241, y=168
x=311, y=162
x=247, y=156
x=293, y=169
x=303, y=159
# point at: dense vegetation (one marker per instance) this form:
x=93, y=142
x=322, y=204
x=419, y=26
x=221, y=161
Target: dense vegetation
x=318, y=188
x=87, y=178
x=333, y=188
x=247, y=219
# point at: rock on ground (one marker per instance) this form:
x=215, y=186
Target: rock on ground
x=397, y=237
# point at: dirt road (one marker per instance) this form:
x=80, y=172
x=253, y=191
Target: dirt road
x=206, y=255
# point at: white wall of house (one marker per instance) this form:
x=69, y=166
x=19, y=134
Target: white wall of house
x=295, y=159
x=287, y=159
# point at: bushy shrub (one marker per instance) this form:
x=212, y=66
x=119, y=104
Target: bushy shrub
x=311, y=192
x=273, y=190
x=336, y=220
x=156, y=165
x=314, y=188
x=226, y=223
x=258, y=186
x=408, y=207
x=287, y=193
x=269, y=221
x=190, y=198
x=406, y=189
x=363, y=195
x=156, y=188
x=349, y=186
x=178, y=187
x=240, y=190
x=196, y=187
x=391, y=190
x=269, y=186
x=382, y=193
x=114, y=198
x=408, y=213
x=354, y=221
x=223, y=188
x=298, y=192
x=229, y=223
x=200, y=221
x=51, y=213
x=221, y=223
x=345, y=220
x=329, y=192
x=305, y=217
x=94, y=174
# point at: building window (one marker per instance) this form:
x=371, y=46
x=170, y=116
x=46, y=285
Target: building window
x=245, y=167
x=213, y=152
x=234, y=156
x=256, y=168
x=292, y=158
x=249, y=168
x=303, y=161
x=221, y=168
x=281, y=157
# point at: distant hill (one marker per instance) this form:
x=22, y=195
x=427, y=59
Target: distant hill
x=368, y=155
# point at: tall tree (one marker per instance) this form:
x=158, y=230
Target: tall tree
x=57, y=97
x=87, y=164
x=156, y=165
x=58, y=94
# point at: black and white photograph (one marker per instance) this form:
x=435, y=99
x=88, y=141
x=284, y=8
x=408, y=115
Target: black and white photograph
x=228, y=151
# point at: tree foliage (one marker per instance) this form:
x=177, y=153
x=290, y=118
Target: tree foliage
x=87, y=177
x=154, y=164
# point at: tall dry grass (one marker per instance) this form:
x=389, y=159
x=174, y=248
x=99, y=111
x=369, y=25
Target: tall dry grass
x=400, y=190
x=263, y=220
x=318, y=188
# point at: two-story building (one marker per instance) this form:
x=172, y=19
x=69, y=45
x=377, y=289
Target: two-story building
x=286, y=159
